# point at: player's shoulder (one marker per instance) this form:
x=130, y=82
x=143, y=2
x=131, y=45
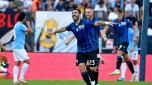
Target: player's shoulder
x=96, y=19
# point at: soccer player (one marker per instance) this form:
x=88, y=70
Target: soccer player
x=86, y=44
x=89, y=15
x=121, y=30
x=133, y=34
x=19, y=53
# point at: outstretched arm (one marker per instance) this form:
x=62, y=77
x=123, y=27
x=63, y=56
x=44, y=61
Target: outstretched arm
x=67, y=41
x=103, y=23
x=62, y=29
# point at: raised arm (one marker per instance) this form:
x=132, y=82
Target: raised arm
x=67, y=41
x=29, y=28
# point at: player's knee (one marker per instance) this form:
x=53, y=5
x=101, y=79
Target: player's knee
x=94, y=69
x=27, y=61
x=119, y=53
x=82, y=68
x=17, y=63
x=135, y=62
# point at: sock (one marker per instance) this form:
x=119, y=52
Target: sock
x=136, y=68
x=123, y=70
x=23, y=71
x=119, y=61
x=86, y=78
x=15, y=72
x=130, y=65
x=96, y=75
x=91, y=75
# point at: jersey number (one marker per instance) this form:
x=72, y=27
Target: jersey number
x=91, y=62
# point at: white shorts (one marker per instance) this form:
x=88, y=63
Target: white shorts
x=20, y=54
x=134, y=55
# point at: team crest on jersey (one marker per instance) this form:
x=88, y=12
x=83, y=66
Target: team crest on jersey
x=123, y=23
x=80, y=27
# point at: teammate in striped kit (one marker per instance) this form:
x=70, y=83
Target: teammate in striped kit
x=82, y=29
x=89, y=15
x=133, y=34
x=121, y=31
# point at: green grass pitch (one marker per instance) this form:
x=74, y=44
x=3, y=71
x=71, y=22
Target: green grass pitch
x=73, y=82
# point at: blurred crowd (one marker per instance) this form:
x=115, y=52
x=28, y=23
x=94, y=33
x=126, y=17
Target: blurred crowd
x=106, y=6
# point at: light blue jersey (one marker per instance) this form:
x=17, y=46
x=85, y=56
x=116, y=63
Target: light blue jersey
x=19, y=35
x=131, y=39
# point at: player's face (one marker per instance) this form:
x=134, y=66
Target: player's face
x=89, y=13
x=75, y=15
x=120, y=16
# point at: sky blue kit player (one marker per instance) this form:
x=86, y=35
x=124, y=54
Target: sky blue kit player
x=19, y=30
x=19, y=53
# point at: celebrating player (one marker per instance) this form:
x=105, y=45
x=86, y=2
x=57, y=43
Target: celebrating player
x=133, y=34
x=82, y=29
x=89, y=15
x=121, y=30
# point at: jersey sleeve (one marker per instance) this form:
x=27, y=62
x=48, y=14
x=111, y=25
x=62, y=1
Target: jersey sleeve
x=69, y=27
x=89, y=23
x=24, y=28
x=100, y=27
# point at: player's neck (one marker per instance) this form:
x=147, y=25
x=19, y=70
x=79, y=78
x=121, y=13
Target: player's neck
x=120, y=20
x=91, y=18
x=77, y=22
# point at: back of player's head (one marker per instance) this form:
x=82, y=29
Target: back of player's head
x=21, y=16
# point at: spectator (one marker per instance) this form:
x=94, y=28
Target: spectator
x=100, y=6
x=48, y=6
x=77, y=1
x=132, y=6
x=4, y=4
x=18, y=4
x=118, y=3
x=10, y=8
x=70, y=5
x=113, y=14
x=37, y=5
x=83, y=5
x=27, y=5
x=60, y=6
